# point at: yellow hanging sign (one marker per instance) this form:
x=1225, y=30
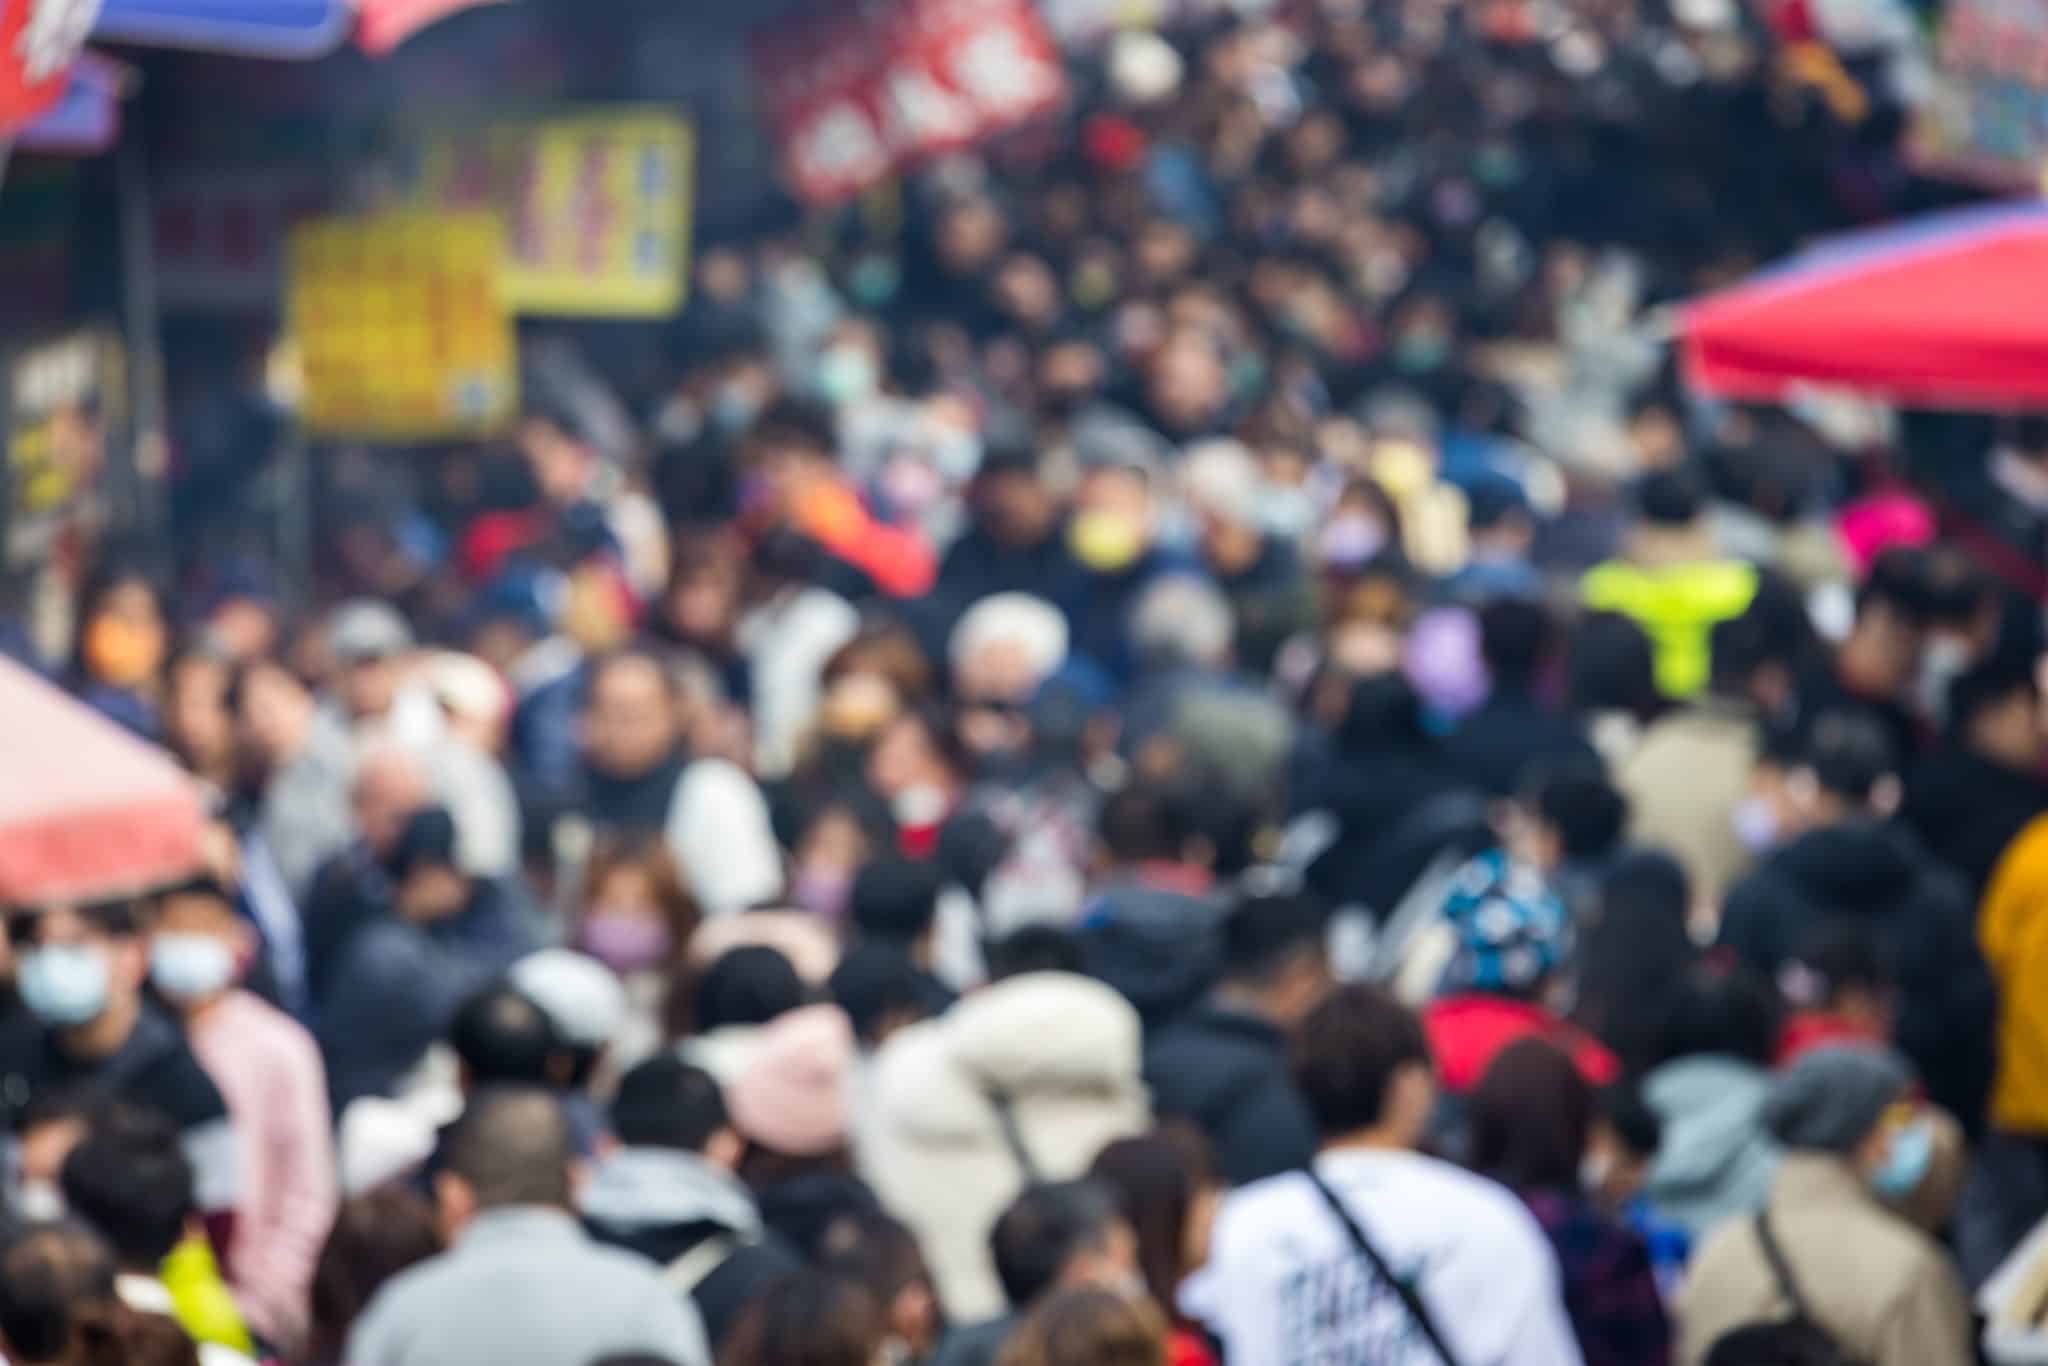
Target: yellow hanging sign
x=401, y=325
x=596, y=206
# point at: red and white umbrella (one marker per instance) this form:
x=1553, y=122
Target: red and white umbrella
x=87, y=811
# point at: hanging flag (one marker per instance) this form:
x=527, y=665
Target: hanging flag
x=295, y=30
x=383, y=24
x=868, y=92
x=39, y=39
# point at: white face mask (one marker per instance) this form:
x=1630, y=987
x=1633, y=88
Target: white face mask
x=1756, y=824
x=191, y=967
x=39, y=1202
x=1594, y=1171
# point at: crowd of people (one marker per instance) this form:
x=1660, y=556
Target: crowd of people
x=1189, y=754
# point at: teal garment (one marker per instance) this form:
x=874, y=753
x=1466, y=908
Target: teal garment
x=1716, y=1160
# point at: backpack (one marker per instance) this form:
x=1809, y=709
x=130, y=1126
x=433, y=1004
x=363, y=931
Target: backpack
x=1788, y=1285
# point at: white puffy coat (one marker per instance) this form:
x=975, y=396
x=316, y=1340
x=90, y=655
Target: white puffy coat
x=1066, y=1051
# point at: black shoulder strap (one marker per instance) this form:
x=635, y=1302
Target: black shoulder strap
x=1780, y=1268
x=1410, y=1300
x=1013, y=1133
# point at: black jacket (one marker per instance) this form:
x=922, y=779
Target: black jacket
x=1967, y=809
x=1867, y=878
x=1226, y=1071
x=1499, y=744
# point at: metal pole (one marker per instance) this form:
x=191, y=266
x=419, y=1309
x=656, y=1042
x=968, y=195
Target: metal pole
x=141, y=473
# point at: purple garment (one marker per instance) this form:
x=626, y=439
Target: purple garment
x=1610, y=1290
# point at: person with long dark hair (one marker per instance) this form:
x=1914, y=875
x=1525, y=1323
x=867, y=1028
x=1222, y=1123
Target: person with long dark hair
x=1532, y=1116
x=1166, y=1181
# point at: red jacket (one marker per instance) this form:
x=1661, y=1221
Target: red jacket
x=1466, y=1033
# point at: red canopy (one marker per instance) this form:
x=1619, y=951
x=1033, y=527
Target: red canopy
x=1942, y=312
x=86, y=810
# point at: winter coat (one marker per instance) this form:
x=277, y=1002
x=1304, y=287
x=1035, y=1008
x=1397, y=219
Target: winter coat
x=1061, y=1051
x=1873, y=879
x=1509, y=736
x=1610, y=1288
x=2013, y=929
x=1968, y=810
x=1272, y=600
x=396, y=986
x=683, y=1213
x=1876, y=1285
x=1468, y=1031
x=525, y=1286
x=1156, y=938
x=1687, y=776
x=1716, y=1161
x=1225, y=1070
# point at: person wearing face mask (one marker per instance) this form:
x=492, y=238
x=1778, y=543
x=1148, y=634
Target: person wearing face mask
x=118, y=670
x=1112, y=545
x=636, y=918
x=1842, y=865
x=269, y=1072
x=1825, y=1247
x=80, y=974
x=1271, y=595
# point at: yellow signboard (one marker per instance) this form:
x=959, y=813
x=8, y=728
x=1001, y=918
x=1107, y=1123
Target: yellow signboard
x=596, y=206
x=401, y=325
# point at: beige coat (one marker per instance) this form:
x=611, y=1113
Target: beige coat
x=1885, y=1292
x=1684, y=781
x=1063, y=1049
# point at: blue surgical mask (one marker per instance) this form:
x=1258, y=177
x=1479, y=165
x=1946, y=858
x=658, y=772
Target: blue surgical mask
x=191, y=967
x=64, y=985
x=1905, y=1165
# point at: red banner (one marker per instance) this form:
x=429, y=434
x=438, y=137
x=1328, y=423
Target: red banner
x=861, y=94
x=39, y=39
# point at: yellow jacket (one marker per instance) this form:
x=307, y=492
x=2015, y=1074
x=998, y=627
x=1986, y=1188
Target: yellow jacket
x=1677, y=606
x=2012, y=929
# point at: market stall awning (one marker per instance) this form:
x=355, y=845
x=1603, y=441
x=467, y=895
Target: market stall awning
x=86, y=119
x=86, y=810
x=284, y=29
x=1941, y=312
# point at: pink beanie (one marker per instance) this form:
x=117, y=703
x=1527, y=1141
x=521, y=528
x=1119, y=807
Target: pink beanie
x=792, y=1094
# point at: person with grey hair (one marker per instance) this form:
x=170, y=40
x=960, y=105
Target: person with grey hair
x=1182, y=621
x=521, y=1284
x=1191, y=711
x=1825, y=1249
x=1260, y=577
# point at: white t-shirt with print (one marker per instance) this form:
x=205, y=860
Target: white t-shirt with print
x=1286, y=1286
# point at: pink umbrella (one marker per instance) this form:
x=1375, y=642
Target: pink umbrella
x=87, y=811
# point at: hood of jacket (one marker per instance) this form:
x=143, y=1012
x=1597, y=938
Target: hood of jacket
x=1714, y=1146
x=1157, y=945
x=1039, y=1036
x=666, y=1188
